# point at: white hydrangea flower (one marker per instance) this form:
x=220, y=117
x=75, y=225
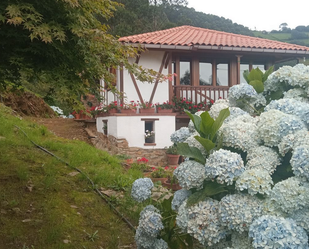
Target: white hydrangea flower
x=240, y=133
x=203, y=222
x=141, y=189
x=236, y=112
x=300, y=161
x=277, y=232
x=296, y=93
x=224, y=166
x=238, y=211
x=291, y=141
x=274, y=125
x=255, y=181
x=190, y=174
x=291, y=194
x=219, y=105
x=270, y=207
x=57, y=110
x=263, y=157
x=291, y=106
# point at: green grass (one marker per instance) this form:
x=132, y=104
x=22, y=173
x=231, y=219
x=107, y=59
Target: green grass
x=43, y=206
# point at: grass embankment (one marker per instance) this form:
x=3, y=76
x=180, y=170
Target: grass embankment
x=45, y=204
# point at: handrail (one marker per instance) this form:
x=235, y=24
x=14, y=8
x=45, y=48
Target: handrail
x=201, y=93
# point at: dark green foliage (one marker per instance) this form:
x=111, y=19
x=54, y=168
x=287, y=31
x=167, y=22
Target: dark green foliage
x=171, y=233
x=210, y=189
x=138, y=16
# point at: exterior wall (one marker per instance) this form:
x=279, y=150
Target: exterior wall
x=150, y=60
x=132, y=129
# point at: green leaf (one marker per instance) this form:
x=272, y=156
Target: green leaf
x=192, y=152
x=210, y=189
x=257, y=85
x=267, y=73
x=207, y=144
x=218, y=122
x=195, y=119
x=255, y=74
x=206, y=124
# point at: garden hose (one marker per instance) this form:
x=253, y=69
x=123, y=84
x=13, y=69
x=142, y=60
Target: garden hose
x=87, y=177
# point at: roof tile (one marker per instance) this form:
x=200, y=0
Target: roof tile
x=189, y=36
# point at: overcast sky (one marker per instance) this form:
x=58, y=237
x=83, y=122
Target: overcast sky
x=260, y=15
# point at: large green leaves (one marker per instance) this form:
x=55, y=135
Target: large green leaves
x=207, y=127
x=256, y=78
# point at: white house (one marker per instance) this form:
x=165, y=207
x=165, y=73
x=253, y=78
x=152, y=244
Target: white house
x=205, y=63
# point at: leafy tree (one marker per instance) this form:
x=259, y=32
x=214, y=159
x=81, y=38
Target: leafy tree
x=61, y=45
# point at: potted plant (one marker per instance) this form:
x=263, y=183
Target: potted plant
x=172, y=155
x=171, y=182
x=149, y=136
x=158, y=174
x=128, y=108
x=112, y=107
x=146, y=107
x=165, y=107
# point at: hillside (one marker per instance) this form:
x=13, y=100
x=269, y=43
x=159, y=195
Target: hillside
x=47, y=204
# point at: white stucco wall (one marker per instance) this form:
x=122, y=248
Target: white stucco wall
x=150, y=60
x=132, y=129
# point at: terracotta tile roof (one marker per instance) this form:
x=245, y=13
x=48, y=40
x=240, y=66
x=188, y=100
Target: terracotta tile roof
x=191, y=36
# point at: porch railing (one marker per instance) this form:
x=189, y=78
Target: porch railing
x=199, y=94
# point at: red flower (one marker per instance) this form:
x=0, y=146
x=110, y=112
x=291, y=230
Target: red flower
x=166, y=167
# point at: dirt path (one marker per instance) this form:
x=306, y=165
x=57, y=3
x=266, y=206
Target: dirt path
x=65, y=127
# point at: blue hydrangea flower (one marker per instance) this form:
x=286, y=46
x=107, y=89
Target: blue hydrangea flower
x=141, y=189
x=224, y=166
x=235, y=112
x=277, y=232
x=241, y=91
x=203, y=222
x=296, y=93
x=182, y=217
x=149, y=227
x=255, y=181
x=190, y=174
x=290, y=194
x=300, y=161
x=237, y=211
x=180, y=135
x=179, y=197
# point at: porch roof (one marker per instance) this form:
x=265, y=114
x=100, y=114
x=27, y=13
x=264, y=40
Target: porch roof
x=193, y=38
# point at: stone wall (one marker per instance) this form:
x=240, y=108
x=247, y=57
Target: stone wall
x=115, y=146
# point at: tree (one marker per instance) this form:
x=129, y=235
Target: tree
x=60, y=44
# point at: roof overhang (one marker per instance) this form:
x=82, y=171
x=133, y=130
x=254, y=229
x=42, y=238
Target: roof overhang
x=222, y=48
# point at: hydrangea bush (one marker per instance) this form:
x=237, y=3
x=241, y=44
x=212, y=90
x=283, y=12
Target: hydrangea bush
x=245, y=178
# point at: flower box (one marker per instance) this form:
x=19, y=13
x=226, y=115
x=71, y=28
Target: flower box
x=128, y=111
x=147, y=110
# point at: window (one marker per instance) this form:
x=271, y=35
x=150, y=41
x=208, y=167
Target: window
x=149, y=132
x=222, y=74
x=185, y=73
x=205, y=69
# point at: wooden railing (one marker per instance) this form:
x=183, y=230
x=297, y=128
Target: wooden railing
x=199, y=94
